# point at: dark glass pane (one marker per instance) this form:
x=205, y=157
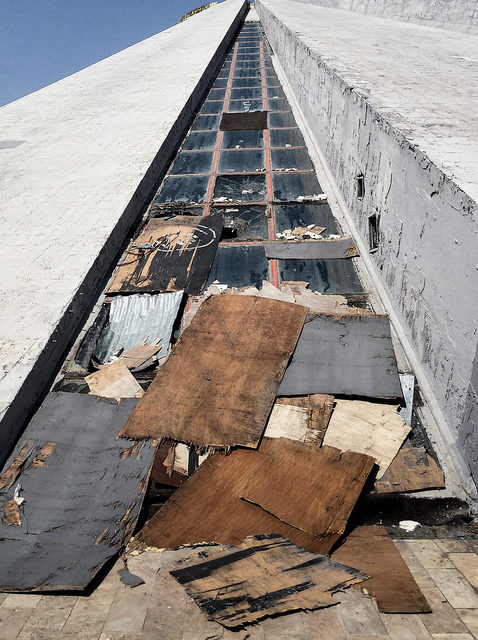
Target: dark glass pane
x=281, y=120
x=324, y=276
x=223, y=74
x=249, y=56
x=278, y=105
x=272, y=81
x=193, y=162
x=187, y=189
x=239, y=266
x=206, y=123
x=241, y=188
x=240, y=161
x=217, y=94
x=286, y=137
x=275, y=92
x=242, y=139
x=200, y=140
x=289, y=216
x=244, y=223
x=246, y=82
x=248, y=64
x=236, y=106
x=290, y=159
x=220, y=83
x=247, y=73
x=210, y=106
x=290, y=186
x=246, y=94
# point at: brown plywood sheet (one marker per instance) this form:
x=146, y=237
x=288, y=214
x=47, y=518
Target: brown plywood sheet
x=371, y=550
x=373, y=428
x=303, y=419
x=244, y=121
x=11, y=510
x=264, y=576
x=220, y=381
x=170, y=255
x=311, y=249
x=114, y=381
x=208, y=506
x=411, y=470
x=140, y=353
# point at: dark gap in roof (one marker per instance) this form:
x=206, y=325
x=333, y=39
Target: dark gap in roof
x=243, y=223
x=244, y=121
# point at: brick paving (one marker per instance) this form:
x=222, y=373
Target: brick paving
x=446, y=570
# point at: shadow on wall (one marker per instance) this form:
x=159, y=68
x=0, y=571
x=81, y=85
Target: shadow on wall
x=468, y=429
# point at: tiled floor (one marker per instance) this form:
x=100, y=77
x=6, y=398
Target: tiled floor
x=446, y=570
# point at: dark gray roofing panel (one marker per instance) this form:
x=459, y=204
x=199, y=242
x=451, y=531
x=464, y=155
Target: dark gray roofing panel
x=289, y=216
x=82, y=499
x=343, y=355
x=240, y=266
x=312, y=249
x=324, y=276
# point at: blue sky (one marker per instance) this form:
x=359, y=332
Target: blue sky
x=42, y=41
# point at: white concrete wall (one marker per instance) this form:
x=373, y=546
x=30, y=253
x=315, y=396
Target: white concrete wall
x=374, y=94
x=457, y=15
x=78, y=159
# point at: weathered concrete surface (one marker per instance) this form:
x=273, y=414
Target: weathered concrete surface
x=457, y=15
x=77, y=161
x=397, y=103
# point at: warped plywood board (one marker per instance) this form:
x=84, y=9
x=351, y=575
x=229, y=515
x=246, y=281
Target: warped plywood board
x=114, y=381
x=220, y=381
x=170, y=255
x=208, y=506
x=303, y=419
x=140, y=354
x=344, y=355
x=373, y=428
x=82, y=488
x=412, y=469
x=311, y=249
x=263, y=576
x=371, y=550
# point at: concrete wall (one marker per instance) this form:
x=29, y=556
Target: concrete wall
x=457, y=15
x=78, y=161
x=427, y=258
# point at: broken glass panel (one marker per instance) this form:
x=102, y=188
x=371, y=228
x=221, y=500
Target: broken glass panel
x=324, y=276
x=290, y=216
x=275, y=92
x=246, y=94
x=291, y=159
x=247, y=73
x=243, y=139
x=239, y=266
x=220, y=83
x=241, y=161
x=200, y=140
x=246, y=82
x=286, y=138
x=185, y=189
x=193, y=162
x=215, y=106
x=281, y=119
x=206, y=123
x=290, y=186
x=244, y=223
x=241, y=188
x=278, y=105
x=217, y=94
x=235, y=106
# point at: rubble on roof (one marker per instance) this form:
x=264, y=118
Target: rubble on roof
x=413, y=469
x=114, y=381
x=304, y=419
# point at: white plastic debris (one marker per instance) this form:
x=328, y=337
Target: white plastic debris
x=222, y=199
x=247, y=191
x=321, y=197
x=288, y=145
x=333, y=236
x=231, y=211
x=219, y=285
x=408, y=525
x=16, y=495
x=238, y=146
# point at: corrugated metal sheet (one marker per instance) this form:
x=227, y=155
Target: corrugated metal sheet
x=136, y=317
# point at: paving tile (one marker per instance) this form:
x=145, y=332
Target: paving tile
x=405, y=627
x=470, y=618
x=196, y=625
x=453, y=546
x=315, y=622
x=128, y=609
x=443, y=618
x=421, y=576
x=359, y=615
x=456, y=589
x=285, y=627
x=429, y=554
x=254, y=632
x=452, y=636
x=125, y=636
x=167, y=610
x=3, y=596
x=467, y=563
x=12, y=621
x=21, y=600
x=39, y=634
x=51, y=613
x=89, y=614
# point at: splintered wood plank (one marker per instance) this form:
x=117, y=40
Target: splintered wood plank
x=264, y=576
x=319, y=407
x=411, y=470
x=170, y=255
x=322, y=507
x=114, y=381
x=371, y=550
x=208, y=506
x=373, y=428
x=220, y=381
x=303, y=419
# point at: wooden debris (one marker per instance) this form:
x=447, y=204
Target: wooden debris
x=373, y=428
x=139, y=354
x=311, y=249
x=217, y=388
x=159, y=471
x=264, y=576
x=11, y=512
x=412, y=469
x=371, y=550
x=303, y=419
x=114, y=381
x=208, y=506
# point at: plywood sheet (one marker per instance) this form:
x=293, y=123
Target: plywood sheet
x=311, y=249
x=114, y=381
x=373, y=428
x=264, y=576
x=170, y=255
x=344, y=355
x=208, y=506
x=220, y=381
x=82, y=489
x=411, y=470
x=244, y=121
x=371, y=550
x=303, y=419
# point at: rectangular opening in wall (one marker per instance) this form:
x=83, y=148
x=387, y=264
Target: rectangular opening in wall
x=373, y=231
x=359, y=186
